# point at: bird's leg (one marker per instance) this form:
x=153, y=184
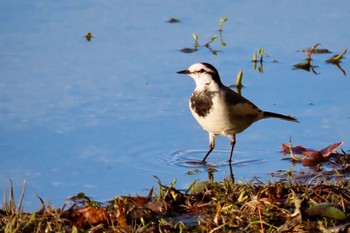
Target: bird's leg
x=211, y=147
x=232, y=176
x=233, y=142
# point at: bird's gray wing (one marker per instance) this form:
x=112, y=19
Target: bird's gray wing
x=239, y=104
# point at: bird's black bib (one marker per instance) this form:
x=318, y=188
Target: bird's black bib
x=202, y=102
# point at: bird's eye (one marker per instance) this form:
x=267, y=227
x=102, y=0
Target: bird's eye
x=201, y=71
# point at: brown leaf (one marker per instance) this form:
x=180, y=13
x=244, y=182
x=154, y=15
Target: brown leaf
x=157, y=206
x=121, y=218
x=296, y=149
x=331, y=149
x=313, y=159
x=89, y=216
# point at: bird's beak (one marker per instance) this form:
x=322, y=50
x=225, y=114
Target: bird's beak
x=183, y=72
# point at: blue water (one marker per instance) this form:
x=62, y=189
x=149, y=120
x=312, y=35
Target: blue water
x=103, y=117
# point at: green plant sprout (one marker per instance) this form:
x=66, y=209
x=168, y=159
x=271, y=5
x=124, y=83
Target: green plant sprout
x=211, y=41
x=195, y=37
x=208, y=44
x=255, y=58
x=261, y=52
x=239, y=79
x=222, y=21
x=238, y=83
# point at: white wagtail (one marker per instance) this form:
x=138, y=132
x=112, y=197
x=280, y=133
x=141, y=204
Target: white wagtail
x=220, y=110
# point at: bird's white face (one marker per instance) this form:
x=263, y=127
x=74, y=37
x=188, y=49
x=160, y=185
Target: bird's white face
x=203, y=76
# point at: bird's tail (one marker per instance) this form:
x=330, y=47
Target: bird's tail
x=280, y=116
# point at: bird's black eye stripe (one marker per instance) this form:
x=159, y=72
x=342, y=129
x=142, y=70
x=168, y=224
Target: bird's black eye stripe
x=201, y=71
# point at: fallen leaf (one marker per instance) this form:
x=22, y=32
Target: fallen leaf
x=121, y=218
x=157, y=206
x=295, y=150
x=313, y=159
x=89, y=216
x=331, y=149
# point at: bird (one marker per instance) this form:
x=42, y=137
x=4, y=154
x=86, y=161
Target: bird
x=219, y=110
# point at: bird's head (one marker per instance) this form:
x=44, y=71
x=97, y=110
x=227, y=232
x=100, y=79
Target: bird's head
x=205, y=75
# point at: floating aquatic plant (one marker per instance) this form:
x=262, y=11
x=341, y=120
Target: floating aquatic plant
x=174, y=20
x=259, y=60
x=337, y=58
x=207, y=44
x=88, y=36
x=306, y=65
x=222, y=21
x=238, y=84
x=261, y=54
x=195, y=37
x=239, y=79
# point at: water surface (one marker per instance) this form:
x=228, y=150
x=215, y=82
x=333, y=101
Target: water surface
x=103, y=117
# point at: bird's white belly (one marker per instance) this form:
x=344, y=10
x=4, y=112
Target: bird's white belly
x=222, y=119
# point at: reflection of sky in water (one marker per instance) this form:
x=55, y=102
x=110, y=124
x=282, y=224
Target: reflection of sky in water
x=103, y=117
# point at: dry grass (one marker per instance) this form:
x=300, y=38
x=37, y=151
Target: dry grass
x=283, y=206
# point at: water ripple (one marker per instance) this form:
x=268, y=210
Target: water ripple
x=192, y=158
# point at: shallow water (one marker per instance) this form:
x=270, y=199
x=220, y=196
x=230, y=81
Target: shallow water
x=103, y=117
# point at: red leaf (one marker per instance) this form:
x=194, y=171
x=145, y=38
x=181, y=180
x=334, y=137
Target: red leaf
x=296, y=149
x=330, y=149
x=313, y=159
